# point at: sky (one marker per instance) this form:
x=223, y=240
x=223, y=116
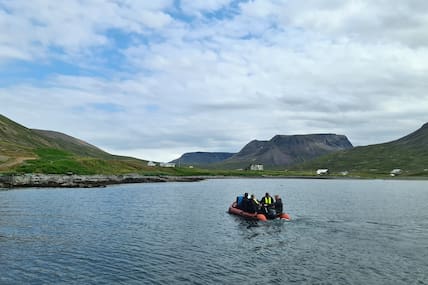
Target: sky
x=155, y=79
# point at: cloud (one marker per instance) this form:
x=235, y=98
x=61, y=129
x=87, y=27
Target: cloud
x=197, y=7
x=165, y=77
x=42, y=27
x=404, y=23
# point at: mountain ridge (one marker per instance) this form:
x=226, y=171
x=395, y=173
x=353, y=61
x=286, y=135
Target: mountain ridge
x=278, y=152
x=31, y=150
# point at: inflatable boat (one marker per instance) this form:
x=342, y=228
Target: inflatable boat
x=233, y=209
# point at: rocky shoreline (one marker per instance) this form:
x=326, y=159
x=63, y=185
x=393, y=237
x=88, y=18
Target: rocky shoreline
x=83, y=181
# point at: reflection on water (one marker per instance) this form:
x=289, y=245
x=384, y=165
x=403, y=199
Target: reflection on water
x=342, y=232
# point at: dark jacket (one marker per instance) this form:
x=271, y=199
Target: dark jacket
x=253, y=206
x=278, y=206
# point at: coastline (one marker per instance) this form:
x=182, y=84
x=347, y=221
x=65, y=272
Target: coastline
x=36, y=180
x=83, y=181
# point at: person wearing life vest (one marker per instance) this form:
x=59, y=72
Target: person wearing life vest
x=267, y=200
x=267, y=203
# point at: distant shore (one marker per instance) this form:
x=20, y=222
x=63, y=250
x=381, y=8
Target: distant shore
x=83, y=181
x=8, y=181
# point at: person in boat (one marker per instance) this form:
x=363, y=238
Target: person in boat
x=266, y=203
x=267, y=200
x=253, y=204
x=242, y=202
x=245, y=202
x=278, y=204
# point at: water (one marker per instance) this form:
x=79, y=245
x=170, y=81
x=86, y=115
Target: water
x=342, y=232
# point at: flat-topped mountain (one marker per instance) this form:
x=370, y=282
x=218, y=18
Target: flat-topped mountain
x=200, y=158
x=285, y=150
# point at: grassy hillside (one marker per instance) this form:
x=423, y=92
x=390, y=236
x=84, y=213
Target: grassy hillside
x=17, y=140
x=56, y=161
x=409, y=153
x=26, y=150
x=71, y=144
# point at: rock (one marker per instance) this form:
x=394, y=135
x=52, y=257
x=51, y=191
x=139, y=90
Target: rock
x=83, y=181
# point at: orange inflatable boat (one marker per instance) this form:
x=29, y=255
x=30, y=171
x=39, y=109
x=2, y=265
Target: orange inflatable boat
x=233, y=209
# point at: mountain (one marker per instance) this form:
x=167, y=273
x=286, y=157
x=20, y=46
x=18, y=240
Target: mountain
x=71, y=144
x=286, y=150
x=17, y=139
x=29, y=150
x=202, y=158
x=409, y=153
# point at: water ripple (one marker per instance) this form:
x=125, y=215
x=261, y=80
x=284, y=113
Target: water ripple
x=117, y=235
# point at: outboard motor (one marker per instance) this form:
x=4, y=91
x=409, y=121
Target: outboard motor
x=271, y=214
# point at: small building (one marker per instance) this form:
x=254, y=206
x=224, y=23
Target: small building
x=395, y=172
x=322, y=171
x=151, y=163
x=256, y=167
x=167, y=164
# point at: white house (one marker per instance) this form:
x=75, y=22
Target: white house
x=167, y=164
x=258, y=167
x=322, y=171
x=395, y=172
x=151, y=163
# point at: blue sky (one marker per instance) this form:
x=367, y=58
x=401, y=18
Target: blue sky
x=154, y=79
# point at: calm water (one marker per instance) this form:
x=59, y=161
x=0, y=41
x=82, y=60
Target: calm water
x=343, y=232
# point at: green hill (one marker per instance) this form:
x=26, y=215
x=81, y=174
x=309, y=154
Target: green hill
x=410, y=154
x=28, y=150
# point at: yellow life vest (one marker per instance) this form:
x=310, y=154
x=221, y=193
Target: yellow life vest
x=267, y=200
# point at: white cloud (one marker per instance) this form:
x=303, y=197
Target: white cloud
x=199, y=6
x=72, y=26
x=214, y=84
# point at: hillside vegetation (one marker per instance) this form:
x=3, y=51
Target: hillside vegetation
x=25, y=150
x=409, y=153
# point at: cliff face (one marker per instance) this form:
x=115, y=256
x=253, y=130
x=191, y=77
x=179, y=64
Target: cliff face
x=286, y=150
